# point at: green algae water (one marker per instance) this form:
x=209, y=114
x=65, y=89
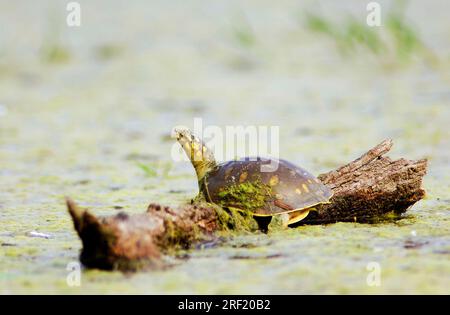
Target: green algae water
x=87, y=112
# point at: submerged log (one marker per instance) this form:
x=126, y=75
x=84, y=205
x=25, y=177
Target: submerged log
x=366, y=189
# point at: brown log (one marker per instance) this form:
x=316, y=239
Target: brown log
x=131, y=242
x=371, y=187
x=366, y=189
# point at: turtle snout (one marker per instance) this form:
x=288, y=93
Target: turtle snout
x=177, y=133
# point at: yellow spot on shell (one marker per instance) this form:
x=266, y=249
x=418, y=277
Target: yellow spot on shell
x=305, y=188
x=204, y=149
x=298, y=191
x=273, y=180
x=243, y=177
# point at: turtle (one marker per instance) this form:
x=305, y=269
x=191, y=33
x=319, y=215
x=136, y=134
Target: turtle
x=244, y=184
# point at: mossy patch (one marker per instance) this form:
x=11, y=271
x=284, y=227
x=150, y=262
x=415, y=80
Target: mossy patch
x=238, y=202
x=176, y=239
x=229, y=219
x=247, y=196
x=232, y=219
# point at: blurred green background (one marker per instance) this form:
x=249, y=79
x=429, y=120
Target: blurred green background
x=87, y=112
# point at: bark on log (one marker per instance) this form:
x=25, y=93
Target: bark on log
x=370, y=187
x=367, y=188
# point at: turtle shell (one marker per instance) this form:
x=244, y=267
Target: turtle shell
x=242, y=184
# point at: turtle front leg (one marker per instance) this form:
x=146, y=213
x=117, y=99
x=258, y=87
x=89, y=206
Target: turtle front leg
x=263, y=223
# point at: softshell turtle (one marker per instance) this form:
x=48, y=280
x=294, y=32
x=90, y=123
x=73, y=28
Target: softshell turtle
x=245, y=185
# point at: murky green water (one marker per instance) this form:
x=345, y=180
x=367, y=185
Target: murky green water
x=81, y=107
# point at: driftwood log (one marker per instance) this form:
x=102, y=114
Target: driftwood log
x=368, y=188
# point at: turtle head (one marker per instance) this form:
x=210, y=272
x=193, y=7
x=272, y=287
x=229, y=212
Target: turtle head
x=202, y=158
